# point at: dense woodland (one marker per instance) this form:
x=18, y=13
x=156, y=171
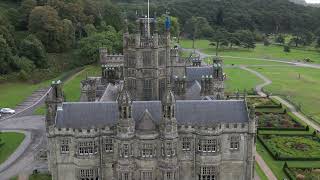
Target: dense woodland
x=31, y=31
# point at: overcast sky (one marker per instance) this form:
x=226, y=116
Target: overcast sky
x=313, y=1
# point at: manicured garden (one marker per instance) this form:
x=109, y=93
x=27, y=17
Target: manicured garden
x=278, y=121
x=10, y=141
x=303, y=173
x=291, y=147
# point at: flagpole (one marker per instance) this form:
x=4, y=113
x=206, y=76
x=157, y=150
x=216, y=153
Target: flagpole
x=148, y=18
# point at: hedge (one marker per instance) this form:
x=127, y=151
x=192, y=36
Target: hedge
x=277, y=157
x=289, y=173
x=304, y=128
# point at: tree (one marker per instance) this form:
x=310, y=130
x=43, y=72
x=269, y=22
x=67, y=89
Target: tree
x=318, y=42
x=246, y=39
x=220, y=37
x=280, y=39
x=198, y=27
x=32, y=48
x=220, y=17
x=66, y=35
x=5, y=57
x=75, y=13
x=175, y=28
x=1, y=142
x=301, y=37
x=286, y=48
x=89, y=46
x=266, y=41
x=24, y=11
x=56, y=35
x=23, y=64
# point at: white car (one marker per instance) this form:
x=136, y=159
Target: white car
x=7, y=111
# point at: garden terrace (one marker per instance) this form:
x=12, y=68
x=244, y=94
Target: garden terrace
x=278, y=121
x=292, y=147
x=302, y=173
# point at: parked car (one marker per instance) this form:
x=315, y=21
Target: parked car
x=7, y=111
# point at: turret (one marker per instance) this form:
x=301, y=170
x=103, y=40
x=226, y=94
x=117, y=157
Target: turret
x=53, y=101
x=126, y=124
x=169, y=123
x=88, y=90
x=218, y=78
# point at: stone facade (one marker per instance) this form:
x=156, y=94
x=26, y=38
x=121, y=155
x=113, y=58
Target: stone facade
x=145, y=149
x=149, y=60
x=146, y=133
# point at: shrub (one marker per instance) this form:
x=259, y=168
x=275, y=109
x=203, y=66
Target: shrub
x=23, y=63
x=286, y=48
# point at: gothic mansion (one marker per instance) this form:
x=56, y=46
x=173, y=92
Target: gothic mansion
x=150, y=116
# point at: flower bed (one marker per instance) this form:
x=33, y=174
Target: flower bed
x=302, y=173
x=278, y=121
x=292, y=147
x=262, y=102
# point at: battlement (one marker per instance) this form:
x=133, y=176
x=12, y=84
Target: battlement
x=138, y=41
x=106, y=58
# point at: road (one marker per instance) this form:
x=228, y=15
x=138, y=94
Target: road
x=26, y=158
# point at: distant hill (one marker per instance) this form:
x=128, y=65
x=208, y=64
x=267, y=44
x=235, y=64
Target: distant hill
x=303, y=2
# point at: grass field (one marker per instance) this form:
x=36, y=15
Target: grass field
x=11, y=141
x=261, y=51
x=11, y=94
x=260, y=173
x=240, y=79
x=71, y=88
x=304, y=90
x=41, y=110
x=40, y=176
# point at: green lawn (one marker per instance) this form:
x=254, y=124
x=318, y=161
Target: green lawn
x=12, y=94
x=11, y=141
x=261, y=51
x=41, y=110
x=304, y=90
x=40, y=176
x=260, y=173
x=71, y=88
x=240, y=79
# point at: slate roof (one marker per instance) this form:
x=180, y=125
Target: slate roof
x=146, y=122
x=195, y=73
x=188, y=112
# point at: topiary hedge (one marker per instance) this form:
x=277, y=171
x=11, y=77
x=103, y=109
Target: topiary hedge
x=292, y=147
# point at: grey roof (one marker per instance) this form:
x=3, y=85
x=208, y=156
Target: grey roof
x=146, y=122
x=195, y=73
x=188, y=112
x=111, y=92
x=193, y=90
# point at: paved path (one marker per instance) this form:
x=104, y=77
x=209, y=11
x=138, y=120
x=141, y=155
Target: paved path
x=26, y=159
x=27, y=107
x=298, y=114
